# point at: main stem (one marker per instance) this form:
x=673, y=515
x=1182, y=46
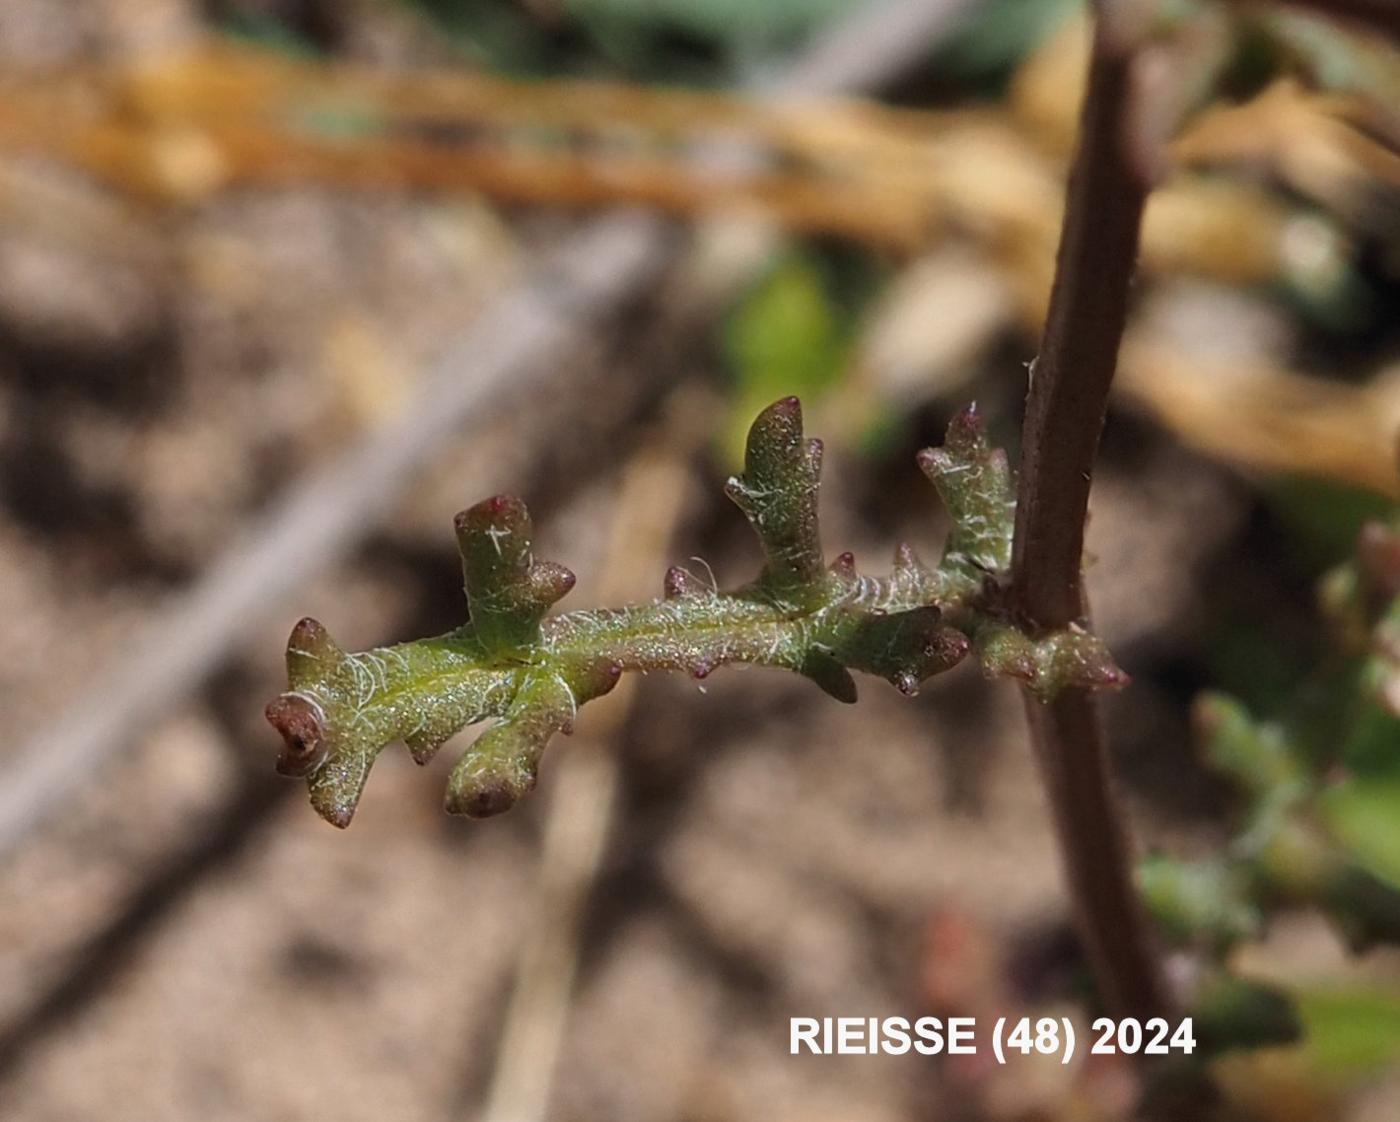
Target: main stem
x=1064, y=417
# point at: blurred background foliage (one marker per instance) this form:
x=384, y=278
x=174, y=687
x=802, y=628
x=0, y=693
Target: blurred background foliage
x=232, y=234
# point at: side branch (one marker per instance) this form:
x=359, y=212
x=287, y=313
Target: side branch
x=531, y=671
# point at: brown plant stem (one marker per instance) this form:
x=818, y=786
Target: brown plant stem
x=1064, y=416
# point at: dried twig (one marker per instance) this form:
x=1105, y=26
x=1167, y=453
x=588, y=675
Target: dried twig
x=1265, y=419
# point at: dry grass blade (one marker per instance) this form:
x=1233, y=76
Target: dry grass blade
x=1269, y=420
x=1328, y=147
x=892, y=179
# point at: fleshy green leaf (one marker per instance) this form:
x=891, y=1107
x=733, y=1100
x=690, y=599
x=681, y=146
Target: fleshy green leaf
x=503, y=763
x=778, y=495
x=974, y=481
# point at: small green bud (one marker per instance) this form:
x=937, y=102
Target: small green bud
x=778, y=494
x=975, y=483
x=1069, y=657
x=503, y=763
x=508, y=592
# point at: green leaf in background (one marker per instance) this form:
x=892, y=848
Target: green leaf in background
x=785, y=337
x=740, y=23
x=993, y=37
x=1321, y=520
x=1335, y=56
x=1233, y=1013
x=1365, y=816
x=1349, y=1034
x=1205, y=901
x=1252, y=663
x=1372, y=745
x=268, y=32
x=510, y=39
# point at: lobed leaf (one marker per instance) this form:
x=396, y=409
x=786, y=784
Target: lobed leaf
x=778, y=494
x=974, y=481
x=532, y=672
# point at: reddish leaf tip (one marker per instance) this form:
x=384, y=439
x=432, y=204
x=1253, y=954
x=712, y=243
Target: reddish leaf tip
x=552, y=580
x=1111, y=676
x=484, y=801
x=309, y=628
x=966, y=422
x=679, y=582
x=954, y=643
x=299, y=721
x=498, y=508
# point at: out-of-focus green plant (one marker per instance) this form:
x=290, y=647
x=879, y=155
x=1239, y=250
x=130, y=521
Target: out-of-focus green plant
x=785, y=336
x=532, y=673
x=1319, y=822
x=993, y=37
x=1350, y=1033
x=695, y=41
x=737, y=22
